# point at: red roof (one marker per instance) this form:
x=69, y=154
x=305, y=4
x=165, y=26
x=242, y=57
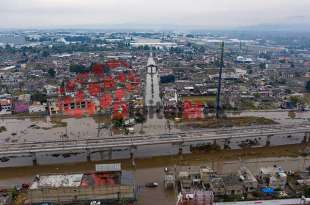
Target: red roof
x=116, y=63
x=100, y=179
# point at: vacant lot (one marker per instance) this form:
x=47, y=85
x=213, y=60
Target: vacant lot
x=212, y=122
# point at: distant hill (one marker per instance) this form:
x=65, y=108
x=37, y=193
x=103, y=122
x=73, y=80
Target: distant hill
x=293, y=23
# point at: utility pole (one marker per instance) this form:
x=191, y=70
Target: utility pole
x=218, y=96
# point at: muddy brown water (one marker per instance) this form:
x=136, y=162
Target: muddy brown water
x=43, y=129
x=152, y=169
x=147, y=169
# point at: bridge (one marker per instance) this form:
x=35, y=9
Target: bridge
x=133, y=142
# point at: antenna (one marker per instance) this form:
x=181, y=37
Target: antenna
x=218, y=97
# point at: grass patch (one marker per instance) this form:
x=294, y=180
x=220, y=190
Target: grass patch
x=307, y=98
x=58, y=123
x=213, y=122
x=2, y=129
x=247, y=105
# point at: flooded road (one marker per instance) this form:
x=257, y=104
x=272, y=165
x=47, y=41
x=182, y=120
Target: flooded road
x=152, y=169
x=46, y=129
x=148, y=167
x=280, y=116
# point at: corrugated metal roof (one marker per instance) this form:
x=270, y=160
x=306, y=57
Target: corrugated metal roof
x=108, y=167
x=56, y=181
x=127, y=178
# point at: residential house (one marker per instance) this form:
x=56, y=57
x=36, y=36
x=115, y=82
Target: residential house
x=274, y=177
x=233, y=184
x=5, y=106
x=250, y=183
x=217, y=186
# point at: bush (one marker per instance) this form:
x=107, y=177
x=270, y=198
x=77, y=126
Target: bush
x=78, y=69
x=307, y=192
x=307, y=87
x=118, y=123
x=2, y=129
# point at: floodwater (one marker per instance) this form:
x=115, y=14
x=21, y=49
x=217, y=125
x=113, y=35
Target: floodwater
x=147, y=170
x=152, y=170
x=44, y=129
x=280, y=116
x=146, y=151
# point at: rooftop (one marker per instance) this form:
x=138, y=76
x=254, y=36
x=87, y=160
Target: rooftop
x=108, y=167
x=271, y=170
x=56, y=181
x=232, y=180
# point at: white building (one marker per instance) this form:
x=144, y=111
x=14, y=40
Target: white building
x=51, y=90
x=5, y=106
x=241, y=59
x=37, y=108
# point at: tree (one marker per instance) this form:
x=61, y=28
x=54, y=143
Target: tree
x=307, y=191
x=295, y=100
x=147, y=48
x=292, y=114
x=262, y=66
x=139, y=118
x=51, y=72
x=78, y=69
x=257, y=95
x=45, y=54
x=37, y=96
x=307, y=87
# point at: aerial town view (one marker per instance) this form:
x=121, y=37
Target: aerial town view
x=154, y=102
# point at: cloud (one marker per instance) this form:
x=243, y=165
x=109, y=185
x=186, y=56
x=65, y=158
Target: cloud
x=210, y=13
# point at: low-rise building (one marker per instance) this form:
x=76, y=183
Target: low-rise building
x=5, y=106
x=274, y=177
x=107, y=184
x=233, y=185
x=250, y=183
x=37, y=108
x=20, y=107
x=217, y=186
x=51, y=90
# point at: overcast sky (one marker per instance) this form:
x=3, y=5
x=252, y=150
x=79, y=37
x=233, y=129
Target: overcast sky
x=209, y=13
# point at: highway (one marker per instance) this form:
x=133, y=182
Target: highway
x=20, y=149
